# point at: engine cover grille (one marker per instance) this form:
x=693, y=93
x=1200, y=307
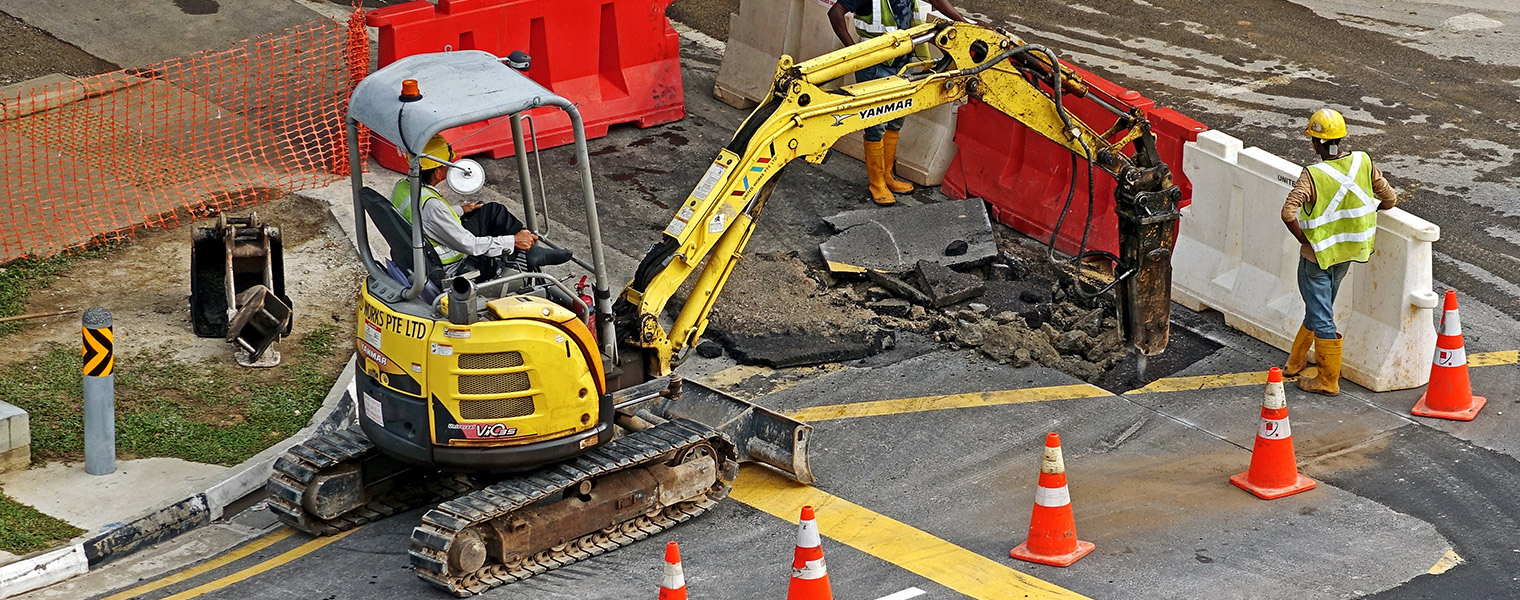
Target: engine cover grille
x=501, y=383
x=502, y=408
x=494, y=360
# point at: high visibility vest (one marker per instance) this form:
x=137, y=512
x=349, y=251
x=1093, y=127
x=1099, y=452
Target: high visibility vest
x=401, y=199
x=1344, y=217
x=882, y=21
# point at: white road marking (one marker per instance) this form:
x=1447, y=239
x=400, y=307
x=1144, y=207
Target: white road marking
x=911, y=592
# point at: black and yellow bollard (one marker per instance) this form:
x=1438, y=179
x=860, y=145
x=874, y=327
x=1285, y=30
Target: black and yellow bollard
x=99, y=393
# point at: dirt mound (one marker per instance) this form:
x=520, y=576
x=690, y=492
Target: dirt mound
x=146, y=286
x=779, y=313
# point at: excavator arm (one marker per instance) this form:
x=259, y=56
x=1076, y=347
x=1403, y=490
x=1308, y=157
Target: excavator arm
x=802, y=119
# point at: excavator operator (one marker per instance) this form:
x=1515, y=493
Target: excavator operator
x=874, y=18
x=485, y=234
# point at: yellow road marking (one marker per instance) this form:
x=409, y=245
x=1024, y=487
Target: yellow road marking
x=211, y=565
x=297, y=552
x=1490, y=359
x=1202, y=382
x=1066, y=392
x=1451, y=559
x=945, y=402
x=893, y=541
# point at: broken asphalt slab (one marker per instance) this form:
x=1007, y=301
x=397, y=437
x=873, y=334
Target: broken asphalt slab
x=783, y=351
x=945, y=286
x=893, y=240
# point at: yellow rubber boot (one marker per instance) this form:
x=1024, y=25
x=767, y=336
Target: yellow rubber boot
x=889, y=163
x=1298, y=356
x=877, y=173
x=1328, y=381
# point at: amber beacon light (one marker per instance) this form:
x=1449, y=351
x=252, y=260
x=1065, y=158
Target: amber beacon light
x=409, y=91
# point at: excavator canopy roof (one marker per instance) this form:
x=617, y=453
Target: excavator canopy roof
x=458, y=88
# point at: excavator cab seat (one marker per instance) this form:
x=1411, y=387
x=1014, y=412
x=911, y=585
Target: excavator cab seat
x=398, y=234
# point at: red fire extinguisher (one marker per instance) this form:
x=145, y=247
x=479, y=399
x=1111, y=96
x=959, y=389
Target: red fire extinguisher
x=580, y=290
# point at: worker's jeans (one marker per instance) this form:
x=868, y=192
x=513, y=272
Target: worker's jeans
x=874, y=132
x=1319, y=287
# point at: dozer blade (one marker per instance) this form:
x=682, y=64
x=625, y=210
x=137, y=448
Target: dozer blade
x=758, y=434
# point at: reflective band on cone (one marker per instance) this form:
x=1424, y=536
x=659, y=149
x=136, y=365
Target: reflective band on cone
x=811, y=569
x=1274, y=429
x=1449, y=395
x=1052, y=498
x=810, y=577
x=1052, y=528
x=1274, y=471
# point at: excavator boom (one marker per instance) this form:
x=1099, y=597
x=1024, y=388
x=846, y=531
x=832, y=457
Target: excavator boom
x=802, y=119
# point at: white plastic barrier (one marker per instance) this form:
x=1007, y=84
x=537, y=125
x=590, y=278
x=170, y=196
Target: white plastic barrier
x=1233, y=255
x=758, y=35
x=763, y=30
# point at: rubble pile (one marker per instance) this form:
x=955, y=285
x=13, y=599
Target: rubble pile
x=1081, y=343
x=1006, y=310
x=959, y=284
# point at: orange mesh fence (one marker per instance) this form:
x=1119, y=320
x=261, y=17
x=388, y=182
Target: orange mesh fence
x=94, y=158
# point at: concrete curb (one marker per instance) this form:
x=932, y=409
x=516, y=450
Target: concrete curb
x=167, y=522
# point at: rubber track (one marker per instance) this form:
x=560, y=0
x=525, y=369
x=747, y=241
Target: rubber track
x=287, y=486
x=431, y=539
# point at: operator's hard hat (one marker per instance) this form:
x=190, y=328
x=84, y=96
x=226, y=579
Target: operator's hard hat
x=1326, y=124
x=436, y=147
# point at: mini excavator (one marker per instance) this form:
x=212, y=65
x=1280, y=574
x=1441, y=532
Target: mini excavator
x=545, y=425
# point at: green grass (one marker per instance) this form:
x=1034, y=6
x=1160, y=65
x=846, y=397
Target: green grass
x=20, y=277
x=23, y=529
x=211, y=411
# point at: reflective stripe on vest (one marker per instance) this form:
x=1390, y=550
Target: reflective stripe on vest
x=401, y=200
x=1343, y=221
x=883, y=21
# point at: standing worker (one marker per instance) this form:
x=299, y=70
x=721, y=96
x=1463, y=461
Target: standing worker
x=874, y=18
x=1332, y=212
x=487, y=231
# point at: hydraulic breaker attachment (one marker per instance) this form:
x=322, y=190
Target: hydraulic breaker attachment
x=758, y=434
x=1147, y=224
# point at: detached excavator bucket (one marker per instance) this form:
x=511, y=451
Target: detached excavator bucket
x=759, y=434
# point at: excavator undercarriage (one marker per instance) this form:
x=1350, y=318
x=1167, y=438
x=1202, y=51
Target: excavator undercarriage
x=494, y=529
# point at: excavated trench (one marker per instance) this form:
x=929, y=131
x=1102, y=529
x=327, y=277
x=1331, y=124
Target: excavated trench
x=781, y=312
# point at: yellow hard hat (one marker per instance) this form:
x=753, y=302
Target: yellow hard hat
x=1326, y=124
x=436, y=147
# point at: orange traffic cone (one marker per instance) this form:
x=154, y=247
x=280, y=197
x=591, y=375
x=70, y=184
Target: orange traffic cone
x=810, y=578
x=1273, y=472
x=1052, y=529
x=673, y=584
x=1449, y=395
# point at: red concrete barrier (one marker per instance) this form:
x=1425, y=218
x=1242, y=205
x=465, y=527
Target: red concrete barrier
x=618, y=60
x=1025, y=177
